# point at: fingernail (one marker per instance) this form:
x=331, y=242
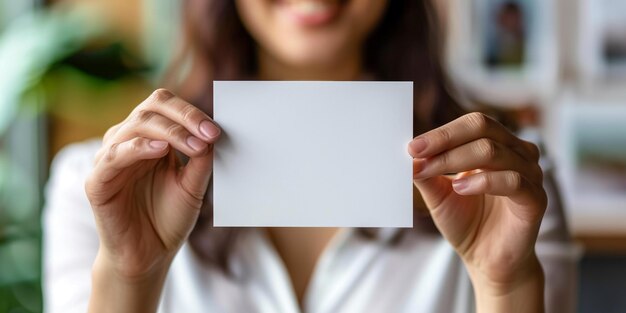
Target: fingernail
x=195, y=143
x=209, y=129
x=418, y=145
x=460, y=184
x=158, y=144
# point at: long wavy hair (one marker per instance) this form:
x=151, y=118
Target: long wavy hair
x=405, y=46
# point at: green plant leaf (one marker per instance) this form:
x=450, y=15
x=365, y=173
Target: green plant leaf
x=32, y=43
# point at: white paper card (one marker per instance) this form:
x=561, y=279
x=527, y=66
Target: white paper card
x=317, y=154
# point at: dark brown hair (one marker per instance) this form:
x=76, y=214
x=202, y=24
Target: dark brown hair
x=404, y=46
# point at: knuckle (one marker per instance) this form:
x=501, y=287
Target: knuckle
x=194, y=198
x=111, y=153
x=514, y=180
x=479, y=121
x=135, y=145
x=486, y=149
x=486, y=181
x=176, y=131
x=443, y=161
x=144, y=116
x=189, y=113
x=443, y=135
x=161, y=95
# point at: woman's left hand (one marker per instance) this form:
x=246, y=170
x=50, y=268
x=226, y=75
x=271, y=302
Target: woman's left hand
x=491, y=210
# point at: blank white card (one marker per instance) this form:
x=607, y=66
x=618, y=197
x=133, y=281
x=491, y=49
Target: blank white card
x=315, y=154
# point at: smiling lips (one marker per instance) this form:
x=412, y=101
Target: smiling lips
x=311, y=13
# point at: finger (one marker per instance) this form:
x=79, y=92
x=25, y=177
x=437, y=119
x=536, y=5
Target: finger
x=164, y=102
x=193, y=119
x=119, y=157
x=155, y=126
x=479, y=154
x=510, y=184
x=468, y=128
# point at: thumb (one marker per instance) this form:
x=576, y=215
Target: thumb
x=196, y=174
x=434, y=190
x=443, y=204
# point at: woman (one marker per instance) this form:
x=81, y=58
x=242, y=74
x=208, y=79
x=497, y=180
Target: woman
x=133, y=255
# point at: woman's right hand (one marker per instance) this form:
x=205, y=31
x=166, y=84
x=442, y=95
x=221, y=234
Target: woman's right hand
x=144, y=200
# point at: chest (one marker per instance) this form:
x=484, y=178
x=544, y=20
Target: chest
x=350, y=276
x=300, y=250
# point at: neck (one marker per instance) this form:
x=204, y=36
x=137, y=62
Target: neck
x=300, y=250
x=348, y=68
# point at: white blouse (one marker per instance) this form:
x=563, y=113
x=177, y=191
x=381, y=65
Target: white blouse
x=420, y=272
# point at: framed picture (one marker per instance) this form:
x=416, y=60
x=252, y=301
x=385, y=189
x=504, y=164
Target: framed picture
x=503, y=52
x=591, y=163
x=505, y=27
x=602, y=42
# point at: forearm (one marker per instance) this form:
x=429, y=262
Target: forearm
x=113, y=293
x=523, y=296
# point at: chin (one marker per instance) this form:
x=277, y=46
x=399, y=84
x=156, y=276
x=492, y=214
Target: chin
x=307, y=33
x=313, y=55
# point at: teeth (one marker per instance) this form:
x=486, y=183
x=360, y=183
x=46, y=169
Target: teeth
x=310, y=7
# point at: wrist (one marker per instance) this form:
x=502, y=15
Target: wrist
x=129, y=270
x=521, y=292
x=115, y=291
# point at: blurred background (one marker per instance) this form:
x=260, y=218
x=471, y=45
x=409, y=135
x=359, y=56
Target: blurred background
x=70, y=69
